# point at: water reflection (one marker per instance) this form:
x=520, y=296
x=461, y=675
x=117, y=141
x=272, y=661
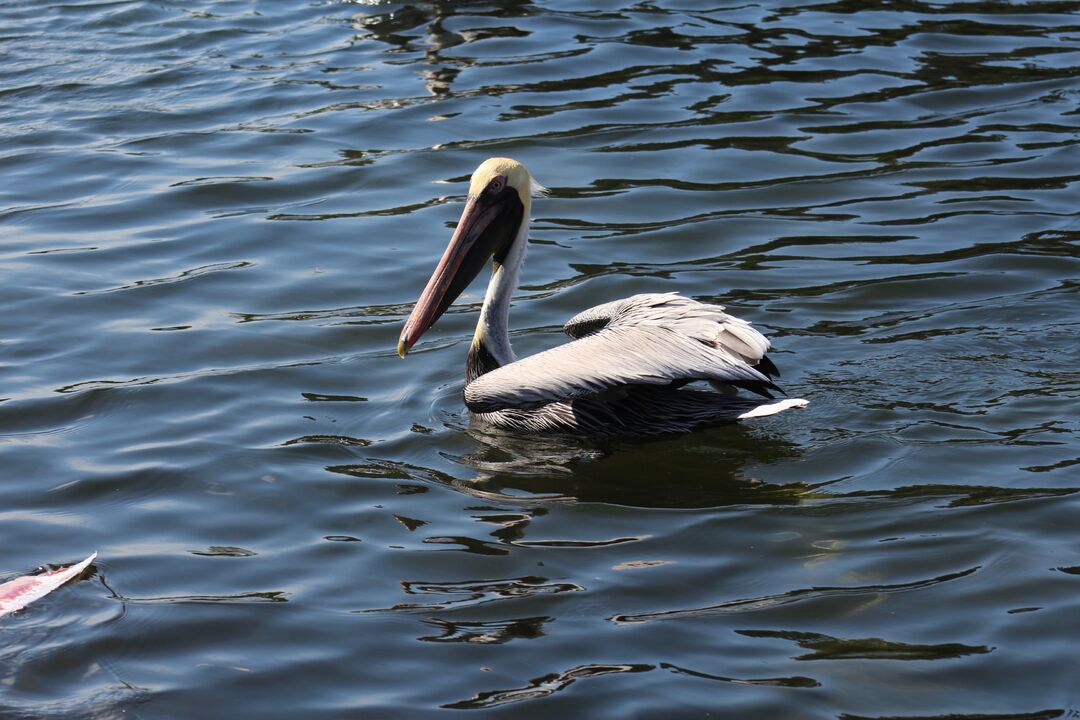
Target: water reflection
x=796, y=681
x=396, y=28
x=707, y=469
x=1037, y=715
x=766, y=602
x=268, y=596
x=470, y=593
x=544, y=685
x=487, y=633
x=826, y=647
x=711, y=468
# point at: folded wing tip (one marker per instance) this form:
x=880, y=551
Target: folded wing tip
x=774, y=408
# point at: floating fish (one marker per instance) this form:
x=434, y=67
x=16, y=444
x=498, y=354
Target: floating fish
x=20, y=592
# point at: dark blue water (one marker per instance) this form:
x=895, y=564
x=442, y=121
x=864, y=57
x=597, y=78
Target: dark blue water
x=215, y=217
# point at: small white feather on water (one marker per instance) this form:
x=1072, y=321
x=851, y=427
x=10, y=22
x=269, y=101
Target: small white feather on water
x=773, y=408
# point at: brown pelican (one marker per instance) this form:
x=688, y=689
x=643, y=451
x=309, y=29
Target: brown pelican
x=625, y=370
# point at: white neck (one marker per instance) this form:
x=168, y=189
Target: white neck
x=493, y=327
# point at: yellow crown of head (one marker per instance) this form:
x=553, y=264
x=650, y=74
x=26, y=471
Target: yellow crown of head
x=516, y=175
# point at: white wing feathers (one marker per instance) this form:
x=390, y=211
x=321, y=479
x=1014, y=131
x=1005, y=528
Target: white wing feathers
x=652, y=339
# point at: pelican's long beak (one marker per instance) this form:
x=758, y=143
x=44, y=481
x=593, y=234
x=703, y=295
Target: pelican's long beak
x=476, y=238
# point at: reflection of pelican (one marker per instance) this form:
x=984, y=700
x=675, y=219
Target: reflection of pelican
x=711, y=468
x=624, y=372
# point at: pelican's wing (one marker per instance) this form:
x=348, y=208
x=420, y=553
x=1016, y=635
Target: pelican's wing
x=597, y=318
x=642, y=340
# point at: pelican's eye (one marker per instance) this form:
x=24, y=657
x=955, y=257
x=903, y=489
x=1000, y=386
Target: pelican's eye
x=497, y=184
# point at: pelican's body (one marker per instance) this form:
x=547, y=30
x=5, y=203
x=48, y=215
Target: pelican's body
x=624, y=371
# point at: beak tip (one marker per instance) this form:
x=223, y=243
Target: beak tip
x=402, y=349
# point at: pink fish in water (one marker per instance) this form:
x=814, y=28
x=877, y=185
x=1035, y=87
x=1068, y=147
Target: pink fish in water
x=20, y=592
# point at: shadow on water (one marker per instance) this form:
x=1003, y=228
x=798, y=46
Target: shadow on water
x=707, y=469
x=531, y=471
x=711, y=468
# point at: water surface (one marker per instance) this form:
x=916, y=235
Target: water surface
x=215, y=217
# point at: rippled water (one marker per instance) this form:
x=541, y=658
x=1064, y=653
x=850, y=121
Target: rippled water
x=215, y=218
